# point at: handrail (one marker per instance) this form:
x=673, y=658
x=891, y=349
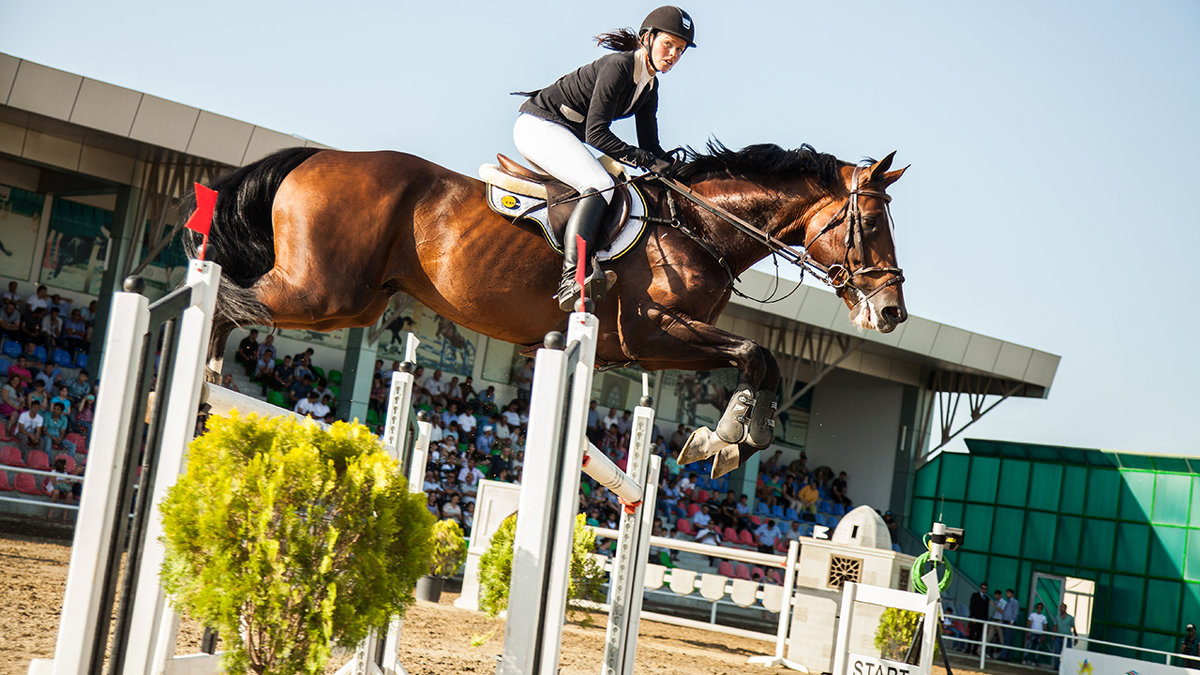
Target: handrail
x=740, y=555
x=984, y=643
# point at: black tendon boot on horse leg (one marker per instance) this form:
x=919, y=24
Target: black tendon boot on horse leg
x=585, y=222
x=747, y=426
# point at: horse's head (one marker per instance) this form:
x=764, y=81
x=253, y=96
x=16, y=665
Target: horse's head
x=852, y=238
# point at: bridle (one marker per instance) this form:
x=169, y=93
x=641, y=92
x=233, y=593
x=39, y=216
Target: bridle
x=837, y=275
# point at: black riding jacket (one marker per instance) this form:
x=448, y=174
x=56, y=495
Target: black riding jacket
x=588, y=100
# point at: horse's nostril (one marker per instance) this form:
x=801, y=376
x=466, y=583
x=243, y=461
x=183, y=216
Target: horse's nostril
x=894, y=314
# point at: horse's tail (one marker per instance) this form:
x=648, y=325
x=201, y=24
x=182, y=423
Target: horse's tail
x=242, y=238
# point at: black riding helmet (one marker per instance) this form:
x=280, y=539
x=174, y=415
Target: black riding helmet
x=670, y=19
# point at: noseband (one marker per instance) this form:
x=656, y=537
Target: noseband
x=837, y=275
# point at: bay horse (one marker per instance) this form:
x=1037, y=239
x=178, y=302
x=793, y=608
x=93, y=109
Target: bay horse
x=321, y=239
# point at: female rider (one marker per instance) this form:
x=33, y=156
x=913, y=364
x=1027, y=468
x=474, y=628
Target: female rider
x=556, y=122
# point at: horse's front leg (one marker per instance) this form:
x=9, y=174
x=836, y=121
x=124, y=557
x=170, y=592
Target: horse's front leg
x=661, y=339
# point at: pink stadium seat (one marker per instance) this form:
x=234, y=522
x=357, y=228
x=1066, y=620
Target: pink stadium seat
x=4, y=435
x=781, y=544
x=774, y=578
x=26, y=483
x=725, y=569
x=730, y=534
x=746, y=537
x=702, y=496
x=70, y=462
x=741, y=572
x=10, y=455
x=757, y=572
x=39, y=460
x=4, y=486
x=693, y=509
x=684, y=526
x=79, y=441
x=756, y=520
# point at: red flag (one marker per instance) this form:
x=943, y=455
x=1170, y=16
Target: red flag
x=201, y=220
x=580, y=269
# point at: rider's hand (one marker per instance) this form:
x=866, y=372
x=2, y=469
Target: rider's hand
x=665, y=167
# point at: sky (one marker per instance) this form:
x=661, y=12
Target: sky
x=1054, y=146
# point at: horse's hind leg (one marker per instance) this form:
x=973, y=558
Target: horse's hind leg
x=674, y=340
x=216, y=350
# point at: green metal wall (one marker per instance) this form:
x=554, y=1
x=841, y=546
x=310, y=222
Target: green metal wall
x=1131, y=523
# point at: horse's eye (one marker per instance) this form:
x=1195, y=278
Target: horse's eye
x=869, y=222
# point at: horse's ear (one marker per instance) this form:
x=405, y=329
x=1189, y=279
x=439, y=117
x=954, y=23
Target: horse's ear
x=893, y=176
x=879, y=168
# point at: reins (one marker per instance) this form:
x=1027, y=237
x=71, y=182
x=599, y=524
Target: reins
x=837, y=275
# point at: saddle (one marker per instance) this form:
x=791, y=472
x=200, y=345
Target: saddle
x=520, y=193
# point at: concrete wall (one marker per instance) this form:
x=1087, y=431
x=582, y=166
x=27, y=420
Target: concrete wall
x=855, y=427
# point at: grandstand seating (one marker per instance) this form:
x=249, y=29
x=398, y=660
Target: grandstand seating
x=81, y=360
x=70, y=462
x=62, y=357
x=38, y=460
x=5, y=362
x=40, y=354
x=10, y=455
x=725, y=568
x=4, y=486
x=746, y=538
x=790, y=514
x=693, y=509
x=740, y=571
x=777, y=511
x=26, y=483
x=684, y=526
x=335, y=377
x=11, y=349
x=756, y=570
x=79, y=441
x=730, y=534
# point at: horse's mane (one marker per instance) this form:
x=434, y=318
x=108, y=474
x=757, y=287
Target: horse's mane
x=758, y=160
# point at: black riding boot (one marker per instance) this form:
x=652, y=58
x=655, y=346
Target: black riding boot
x=584, y=221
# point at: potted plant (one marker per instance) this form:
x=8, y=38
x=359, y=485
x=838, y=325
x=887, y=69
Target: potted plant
x=449, y=552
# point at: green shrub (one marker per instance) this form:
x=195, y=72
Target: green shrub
x=495, y=568
x=293, y=537
x=897, y=628
x=449, y=548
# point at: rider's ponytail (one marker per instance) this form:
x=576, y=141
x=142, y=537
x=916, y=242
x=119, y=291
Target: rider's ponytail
x=620, y=40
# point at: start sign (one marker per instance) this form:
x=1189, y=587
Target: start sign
x=870, y=665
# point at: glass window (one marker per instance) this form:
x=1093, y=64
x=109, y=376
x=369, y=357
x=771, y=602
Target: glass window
x=1102, y=491
x=1137, y=495
x=1096, y=550
x=1002, y=573
x=76, y=246
x=1191, y=568
x=1007, y=533
x=1039, y=535
x=1167, y=549
x=1171, y=492
x=1066, y=540
x=977, y=523
x=1014, y=483
x=1126, y=597
x=1045, y=485
x=985, y=475
x=1074, y=486
x=1162, y=613
x=1132, y=539
x=927, y=479
x=953, y=483
x=20, y=220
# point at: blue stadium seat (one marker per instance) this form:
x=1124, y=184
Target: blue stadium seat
x=12, y=349
x=777, y=511
x=838, y=510
x=824, y=506
x=62, y=357
x=39, y=353
x=81, y=361
x=4, y=364
x=790, y=514
x=761, y=509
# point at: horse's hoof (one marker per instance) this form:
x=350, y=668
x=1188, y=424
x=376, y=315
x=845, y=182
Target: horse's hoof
x=728, y=459
x=701, y=445
x=732, y=427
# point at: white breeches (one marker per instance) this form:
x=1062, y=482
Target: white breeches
x=553, y=149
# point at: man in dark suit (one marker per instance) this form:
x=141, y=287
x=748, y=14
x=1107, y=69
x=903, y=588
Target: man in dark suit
x=979, y=610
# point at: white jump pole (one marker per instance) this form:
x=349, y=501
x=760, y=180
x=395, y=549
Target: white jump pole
x=556, y=452
x=628, y=578
x=549, y=500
